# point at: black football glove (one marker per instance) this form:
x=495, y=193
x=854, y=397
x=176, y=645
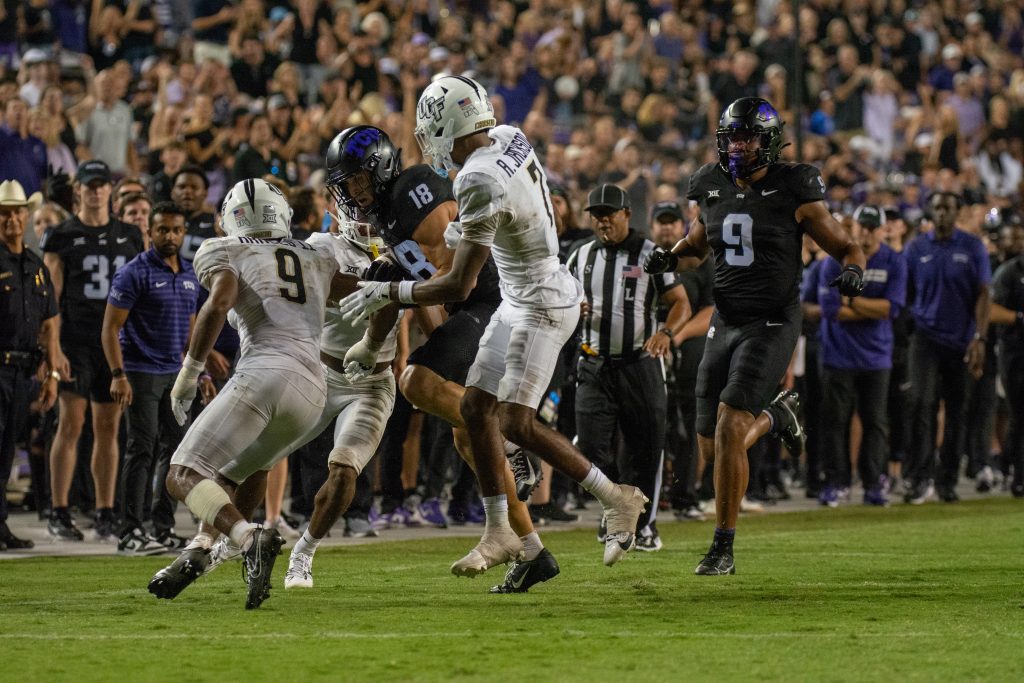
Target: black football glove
x=850, y=282
x=660, y=261
x=384, y=269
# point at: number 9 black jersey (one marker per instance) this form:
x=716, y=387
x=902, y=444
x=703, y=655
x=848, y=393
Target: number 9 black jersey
x=754, y=236
x=416, y=192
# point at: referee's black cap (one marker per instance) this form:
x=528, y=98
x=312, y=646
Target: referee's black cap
x=607, y=196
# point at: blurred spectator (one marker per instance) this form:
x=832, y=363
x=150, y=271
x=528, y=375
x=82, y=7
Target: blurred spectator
x=210, y=25
x=24, y=155
x=256, y=158
x=106, y=132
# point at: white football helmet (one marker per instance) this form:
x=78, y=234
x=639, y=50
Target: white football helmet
x=255, y=208
x=451, y=107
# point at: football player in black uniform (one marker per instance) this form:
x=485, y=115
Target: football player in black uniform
x=753, y=212
x=83, y=253
x=410, y=209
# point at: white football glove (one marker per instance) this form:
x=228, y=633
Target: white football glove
x=452, y=234
x=365, y=301
x=361, y=358
x=184, y=390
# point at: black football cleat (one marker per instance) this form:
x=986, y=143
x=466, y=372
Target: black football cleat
x=179, y=575
x=785, y=423
x=522, y=574
x=527, y=477
x=716, y=563
x=258, y=563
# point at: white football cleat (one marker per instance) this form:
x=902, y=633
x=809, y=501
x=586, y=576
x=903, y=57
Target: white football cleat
x=497, y=546
x=300, y=571
x=621, y=518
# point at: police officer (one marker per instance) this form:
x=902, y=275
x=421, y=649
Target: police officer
x=620, y=378
x=28, y=312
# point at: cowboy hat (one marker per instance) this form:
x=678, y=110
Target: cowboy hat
x=13, y=194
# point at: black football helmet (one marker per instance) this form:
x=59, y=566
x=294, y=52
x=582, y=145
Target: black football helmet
x=757, y=116
x=361, y=148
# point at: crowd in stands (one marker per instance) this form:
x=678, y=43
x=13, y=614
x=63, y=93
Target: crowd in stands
x=894, y=100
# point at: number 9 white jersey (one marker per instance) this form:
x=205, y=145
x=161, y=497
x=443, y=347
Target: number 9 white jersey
x=282, y=295
x=504, y=203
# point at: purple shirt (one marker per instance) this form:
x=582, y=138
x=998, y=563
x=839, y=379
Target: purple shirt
x=22, y=159
x=161, y=302
x=862, y=344
x=947, y=277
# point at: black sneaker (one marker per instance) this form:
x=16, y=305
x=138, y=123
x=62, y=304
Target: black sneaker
x=522, y=574
x=947, y=494
x=62, y=527
x=552, y=513
x=716, y=563
x=785, y=423
x=171, y=540
x=526, y=476
x=1017, y=490
x=11, y=542
x=105, y=529
x=648, y=539
x=178, y=575
x=137, y=543
x=258, y=563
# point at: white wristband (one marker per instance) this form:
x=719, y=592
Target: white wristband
x=405, y=291
x=192, y=367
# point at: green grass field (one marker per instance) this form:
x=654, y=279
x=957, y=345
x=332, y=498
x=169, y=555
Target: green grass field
x=930, y=593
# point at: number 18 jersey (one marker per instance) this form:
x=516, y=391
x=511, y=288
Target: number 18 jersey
x=754, y=237
x=283, y=286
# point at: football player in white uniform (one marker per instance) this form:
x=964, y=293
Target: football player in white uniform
x=505, y=210
x=274, y=290
x=360, y=396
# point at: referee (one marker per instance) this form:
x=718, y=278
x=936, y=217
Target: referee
x=620, y=379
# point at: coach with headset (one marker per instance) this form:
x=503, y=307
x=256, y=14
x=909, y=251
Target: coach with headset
x=620, y=379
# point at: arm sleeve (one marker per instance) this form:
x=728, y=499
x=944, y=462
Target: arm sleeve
x=123, y=289
x=828, y=297
x=665, y=281
x=481, y=209
x=211, y=258
x=693, y=191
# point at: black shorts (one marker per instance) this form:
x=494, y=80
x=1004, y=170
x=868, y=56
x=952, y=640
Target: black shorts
x=89, y=370
x=744, y=364
x=451, y=348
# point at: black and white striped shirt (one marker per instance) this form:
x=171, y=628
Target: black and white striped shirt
x=623, y=298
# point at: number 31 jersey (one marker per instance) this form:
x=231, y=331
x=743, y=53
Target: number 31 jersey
x=754, y=237
x=283, y=286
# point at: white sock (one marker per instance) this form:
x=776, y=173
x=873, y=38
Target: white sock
x=496, y=511
x=510, y=447
x=204, y=541
x=306, y=545
x=241, y=534
x=602, y=488
x=532, y=545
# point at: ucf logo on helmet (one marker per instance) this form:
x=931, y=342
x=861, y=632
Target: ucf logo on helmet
x=431, y=107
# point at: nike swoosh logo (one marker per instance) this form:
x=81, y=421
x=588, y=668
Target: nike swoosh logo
x=160, y=284
x=926, y=259
x=771, y=324
x=522, y=579
x=765, y=193
x=122, y=240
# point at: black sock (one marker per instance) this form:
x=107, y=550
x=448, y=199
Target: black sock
x=723, y=540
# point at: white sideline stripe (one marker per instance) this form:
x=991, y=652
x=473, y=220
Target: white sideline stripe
x=340, y=635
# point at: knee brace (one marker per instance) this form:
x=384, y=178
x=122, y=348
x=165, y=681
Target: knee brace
x=206, y=499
